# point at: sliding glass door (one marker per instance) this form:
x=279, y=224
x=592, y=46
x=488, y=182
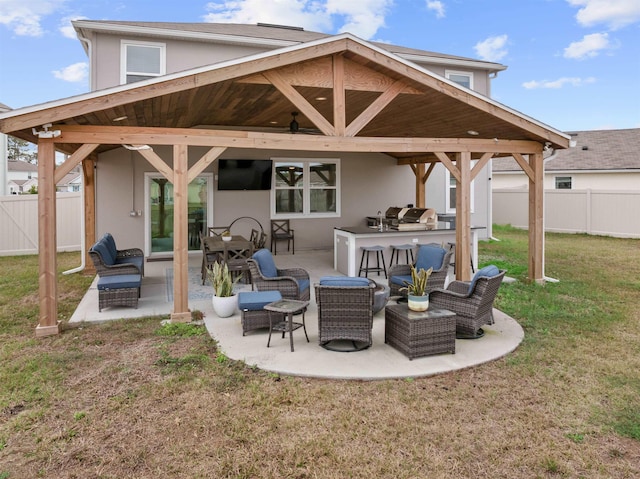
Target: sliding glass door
x=159, y=212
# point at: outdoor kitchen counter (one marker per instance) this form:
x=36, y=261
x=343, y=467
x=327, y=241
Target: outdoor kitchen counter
x=347, y=241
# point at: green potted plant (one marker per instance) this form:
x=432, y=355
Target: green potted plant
x=224, y=299
x=417, y=296
x=226, y=235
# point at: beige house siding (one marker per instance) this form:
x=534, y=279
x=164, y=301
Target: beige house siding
x=618, y=180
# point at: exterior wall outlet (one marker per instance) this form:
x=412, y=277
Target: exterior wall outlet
x=414, y=240
x=132, y=213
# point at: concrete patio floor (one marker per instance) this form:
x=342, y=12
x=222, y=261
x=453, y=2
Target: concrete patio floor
x=380, y=361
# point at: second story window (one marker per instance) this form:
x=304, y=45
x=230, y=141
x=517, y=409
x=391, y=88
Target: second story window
x=464, y=79
x=141, y=61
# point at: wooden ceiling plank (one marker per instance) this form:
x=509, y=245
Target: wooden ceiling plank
x=73, y=161
x=413, y=73
x=375, y=108
x=300, y=102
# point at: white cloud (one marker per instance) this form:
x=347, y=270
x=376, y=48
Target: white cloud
x=24, y=18
x=73, y=73
x=437, y=7
x=66, y=28
x=559, y=83
x=363, y=18
x=613, y=13
x=589, y=46
x=492, y=49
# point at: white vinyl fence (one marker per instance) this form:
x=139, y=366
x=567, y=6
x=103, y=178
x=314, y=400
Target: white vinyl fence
x=19, y=223
x=596, y=212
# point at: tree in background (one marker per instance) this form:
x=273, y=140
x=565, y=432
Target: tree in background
x=21, y=150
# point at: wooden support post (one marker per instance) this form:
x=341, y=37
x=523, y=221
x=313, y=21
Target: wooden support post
x=181, y=311
x=463, y=217
x=47, y=249
x=536, y=218
x=89, y=198
x=420, y=191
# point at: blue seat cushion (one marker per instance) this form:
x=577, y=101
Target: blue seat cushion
x=110, y=242
x=137, y=260
x=103, y=250
x=119, y=281
x=303, y=284
x=265, y=263
x=401, y=279
x=256, y=300
x=487, y=272
x=430, y=257
x=343, y=281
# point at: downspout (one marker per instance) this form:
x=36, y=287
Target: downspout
x=86, y=42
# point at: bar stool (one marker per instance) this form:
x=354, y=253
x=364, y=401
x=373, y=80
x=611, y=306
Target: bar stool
x=452, y=246
x=378, y=250
x=395, y=250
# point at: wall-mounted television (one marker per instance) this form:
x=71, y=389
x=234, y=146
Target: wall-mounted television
x=244, y=174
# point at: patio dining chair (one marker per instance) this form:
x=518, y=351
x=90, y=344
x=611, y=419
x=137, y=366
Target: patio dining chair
x=293, y=283
x=281, y=231
x=472, y=301
x=217, y=230
x=429, y=256
x=236, y=260
x=208, y=258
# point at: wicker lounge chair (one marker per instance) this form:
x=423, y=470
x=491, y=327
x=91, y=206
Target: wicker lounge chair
x=472, y=301
x=345, y=310
x=429, y=256
x=108, y=260
x=293, y=283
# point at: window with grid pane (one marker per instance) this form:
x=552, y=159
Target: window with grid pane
x=142, y=60
x=305, y=187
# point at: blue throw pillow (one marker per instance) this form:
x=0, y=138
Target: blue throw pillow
x=343, y=281
x=103, y=250
x=486, y=272
x=265, y=263
x=430, y=257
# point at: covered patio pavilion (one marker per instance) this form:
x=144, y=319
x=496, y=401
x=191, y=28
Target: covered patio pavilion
x=378, y=103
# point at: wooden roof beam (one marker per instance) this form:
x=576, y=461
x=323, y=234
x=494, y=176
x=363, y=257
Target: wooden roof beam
x=117, y=135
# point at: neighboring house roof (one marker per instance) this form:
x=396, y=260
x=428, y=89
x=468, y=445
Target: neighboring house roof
x=19, y=165
x=591, y=150
x=263, y=35
x=4, y=107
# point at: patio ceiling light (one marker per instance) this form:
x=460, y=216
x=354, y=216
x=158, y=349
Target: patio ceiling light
x=120, y=118
x=472, y=132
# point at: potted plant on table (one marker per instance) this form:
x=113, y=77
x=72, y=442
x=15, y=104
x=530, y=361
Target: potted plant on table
x=417, y=296
x=226, y=235
x=224, y=299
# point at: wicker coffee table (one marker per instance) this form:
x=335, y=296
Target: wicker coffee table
x=287, y=307
x=417, y=334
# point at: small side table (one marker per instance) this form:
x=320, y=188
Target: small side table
x=287, y=307
x=417, y=334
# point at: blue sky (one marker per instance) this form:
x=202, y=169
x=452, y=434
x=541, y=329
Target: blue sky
x=572, y=64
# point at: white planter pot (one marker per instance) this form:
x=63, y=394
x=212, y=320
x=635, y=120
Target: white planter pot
x=226, y=306
x=418, y=303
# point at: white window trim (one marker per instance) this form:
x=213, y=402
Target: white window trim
x=123, y=59
x=448, y=73
x=555, y=182
x=306, y=189
x=447, y=197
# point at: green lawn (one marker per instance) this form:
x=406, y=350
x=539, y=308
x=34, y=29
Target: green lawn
x=134, y=399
